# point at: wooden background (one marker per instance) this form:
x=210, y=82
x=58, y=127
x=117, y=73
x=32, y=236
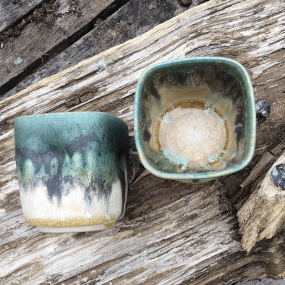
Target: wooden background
x=172, y=233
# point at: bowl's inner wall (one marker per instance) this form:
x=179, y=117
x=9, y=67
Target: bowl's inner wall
x=216, y=86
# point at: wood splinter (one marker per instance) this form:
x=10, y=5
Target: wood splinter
x=264, y=212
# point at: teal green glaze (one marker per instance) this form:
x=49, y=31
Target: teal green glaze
x=176, y=159
x=75, y=125
x=41, y=174
x=54, y=167
x=28, y=175
x=154, y=160
x=89, y=149
x=73, y=167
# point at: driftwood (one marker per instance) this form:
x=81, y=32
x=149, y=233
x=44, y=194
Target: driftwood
x=264, y=212
x=172, y=233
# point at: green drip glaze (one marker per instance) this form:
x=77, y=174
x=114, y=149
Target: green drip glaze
x=89, y=149
x=179, y=159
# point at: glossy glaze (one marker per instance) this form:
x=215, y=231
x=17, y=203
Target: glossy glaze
x=72, y=170
x=215, y=84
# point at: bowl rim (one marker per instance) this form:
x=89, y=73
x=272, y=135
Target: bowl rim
x=67, y=115
x=251, y=119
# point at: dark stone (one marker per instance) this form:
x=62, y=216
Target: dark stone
x=263, y=109
x=277, y=176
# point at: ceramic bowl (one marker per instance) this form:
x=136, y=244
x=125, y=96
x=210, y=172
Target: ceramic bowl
x=194, y=118
x=72, y=170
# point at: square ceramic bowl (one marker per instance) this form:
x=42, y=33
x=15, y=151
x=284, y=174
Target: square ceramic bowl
x=195, y=118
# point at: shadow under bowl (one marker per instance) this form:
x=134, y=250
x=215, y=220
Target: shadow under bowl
x=195, y=118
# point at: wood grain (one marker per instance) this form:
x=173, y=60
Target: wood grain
x=11, y=13
x=262, y=215
x=38, y=39
x=172, y=233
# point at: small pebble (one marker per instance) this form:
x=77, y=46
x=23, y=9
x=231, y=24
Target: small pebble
x=262, y=111
x=14, y=1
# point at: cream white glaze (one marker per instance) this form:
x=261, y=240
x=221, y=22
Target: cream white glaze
x=73, y=208
x=196, y=135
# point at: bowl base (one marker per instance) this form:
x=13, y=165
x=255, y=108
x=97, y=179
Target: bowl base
x=72, y=229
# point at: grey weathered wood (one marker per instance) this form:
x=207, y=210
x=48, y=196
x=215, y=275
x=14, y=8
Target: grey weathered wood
x=263, y=214
x=37, y=39
x=128, y=22
x=172, y=233
x=266, y=159
x=11, y=13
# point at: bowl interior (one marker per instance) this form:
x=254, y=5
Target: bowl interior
x=209, y=100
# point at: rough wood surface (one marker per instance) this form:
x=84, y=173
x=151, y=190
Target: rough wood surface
x=128, y=22
x=172, y=233
x=39, y=38
x=264, y=212
x=11, y=13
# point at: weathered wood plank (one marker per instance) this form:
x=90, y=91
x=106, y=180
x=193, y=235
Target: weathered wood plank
x=172, y=233
x=128, y=22
x=11, y=13
x=263, y=213
x=127, y=252
x=259, y=168
x=39, y=38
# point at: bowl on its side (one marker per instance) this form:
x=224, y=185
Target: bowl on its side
x=72, y=170
x=194, y=118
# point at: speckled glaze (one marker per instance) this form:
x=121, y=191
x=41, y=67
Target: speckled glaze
x=220, y=85
x=72, y=170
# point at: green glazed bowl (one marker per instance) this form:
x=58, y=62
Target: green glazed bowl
x=72, y=170
x=194, y=118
